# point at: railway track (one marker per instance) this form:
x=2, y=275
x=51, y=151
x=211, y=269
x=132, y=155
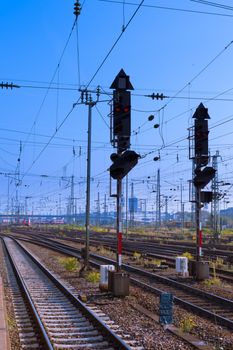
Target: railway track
x=60, y=320
x=151, y=252
x=211, y=306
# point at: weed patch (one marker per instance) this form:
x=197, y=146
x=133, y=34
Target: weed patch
x=93, y=276
x=212, y=282
x=188, y=255
x=187, y=324
x=70, y=264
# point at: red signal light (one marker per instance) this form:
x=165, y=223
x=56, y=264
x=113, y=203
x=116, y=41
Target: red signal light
x=126, y=109
x=117, y=109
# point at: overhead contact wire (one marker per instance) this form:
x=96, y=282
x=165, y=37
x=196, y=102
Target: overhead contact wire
x=102, y=63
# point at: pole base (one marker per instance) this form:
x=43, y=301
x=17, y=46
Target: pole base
x=202, y=270
x=118, y=283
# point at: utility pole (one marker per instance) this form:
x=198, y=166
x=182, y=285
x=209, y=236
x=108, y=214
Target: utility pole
x=181, y=205
x=12, y=206
x=75, y=210
x=18, y=183
x=12, y=86
x=158, y=201
x=166, y=210
x=70, y=207
x=60, y=204
x=215, y=212
x=132, y=206
x=72, y=199
x=90, y=104
x=8, y=195
x=145, y=209
x=86, y=99
x=105, y=208
x=26, y=206
x=98, y=209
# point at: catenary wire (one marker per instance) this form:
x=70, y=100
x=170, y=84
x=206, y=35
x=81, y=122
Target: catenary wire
x=170, y=8
x=98, y=69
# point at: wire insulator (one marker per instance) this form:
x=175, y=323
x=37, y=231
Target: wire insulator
x=77, y=8
x=8, y=86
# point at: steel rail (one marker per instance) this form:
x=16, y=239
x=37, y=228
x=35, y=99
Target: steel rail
x=199, y=310
x=43, y=333
x=117, y=342
x=170, y=261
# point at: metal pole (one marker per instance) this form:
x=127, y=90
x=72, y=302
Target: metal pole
x=90, y=105
x=132, y=206
x=126, y=208
x=59, y=203
x=8, y=196
x=17, y=204
x=215, y=212
x=158, y=201
x=119, y=225
x=145, y=209
x=166, y=210
x=98, y=209
x=193, y=195
x=181, y=205
x=105, y=209
x=183, y=217
x=72, y=200
x=198, y=225
x=26, y=204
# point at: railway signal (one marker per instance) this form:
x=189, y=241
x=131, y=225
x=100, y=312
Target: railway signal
x=123, y=161
x=202, y=176
x=122, y=118
x=122, y=110
x=206, y=196
x=123, y=164
x=201, y=133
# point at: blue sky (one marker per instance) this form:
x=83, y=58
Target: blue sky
x=162, y=50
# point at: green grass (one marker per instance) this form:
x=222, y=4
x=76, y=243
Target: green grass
x=137, y=256
x=227, y=231
x=187, y=324
x=70, y=264
x=212, y=282
x=93, y=276
x=188, y=255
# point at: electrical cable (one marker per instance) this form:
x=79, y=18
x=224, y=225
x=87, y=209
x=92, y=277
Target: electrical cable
x=48, y=136
x=190, y=110
x=123, y=15
x=170, y=8
x=214, y=4
x=198, y=74
x=57, y=99
x=52, y=79
x=102, y=117
x=115, y=43
x=78, y=55
x=98, y=69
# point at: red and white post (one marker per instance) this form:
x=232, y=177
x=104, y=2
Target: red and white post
x=200, y=239
x=119, y=225
x=198, y=225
